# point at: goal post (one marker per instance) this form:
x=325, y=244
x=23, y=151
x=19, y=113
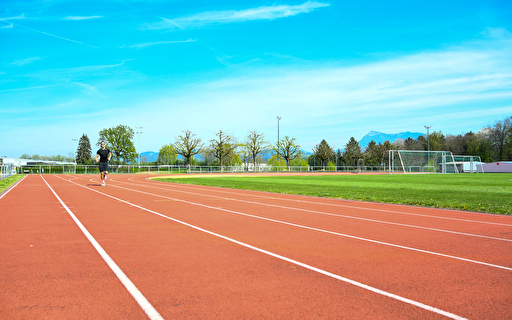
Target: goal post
x=415, y=161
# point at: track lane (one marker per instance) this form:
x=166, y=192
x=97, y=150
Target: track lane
x=477, y=246
x=48, y=269
x=464, y=278
x=284, y=293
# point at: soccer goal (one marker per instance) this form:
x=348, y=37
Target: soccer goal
x=413, y=161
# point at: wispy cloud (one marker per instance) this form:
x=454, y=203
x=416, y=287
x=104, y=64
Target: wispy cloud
x=10, y=24
x=149, y=44
x=232, y=16
x=52, y=35
x=27, y=88
x=24, y=62
x=81, y=17
x=87, y=87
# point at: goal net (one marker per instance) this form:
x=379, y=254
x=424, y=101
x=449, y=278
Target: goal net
x=413, y=161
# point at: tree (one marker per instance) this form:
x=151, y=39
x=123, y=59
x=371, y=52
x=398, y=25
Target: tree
x=323, y=151
x=83, y=152
x=222, y=147
x=287, y=149
x=255, y=144
x=188, y=146
x=480, y=145
x=352, y=152
x=500, y=134
x=455, y=144
x=119, y=142
x=435, y=140
x=412, y=144
x=166, y=155
x=373, y=154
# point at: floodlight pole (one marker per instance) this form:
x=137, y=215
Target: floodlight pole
x=428, y=142
x=138, y=133
x=75, y=153
x=278, y=118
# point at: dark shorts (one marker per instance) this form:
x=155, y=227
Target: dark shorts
x=103, y=166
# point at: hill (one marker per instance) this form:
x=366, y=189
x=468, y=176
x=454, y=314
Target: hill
x=383, y=137
x=149, y=156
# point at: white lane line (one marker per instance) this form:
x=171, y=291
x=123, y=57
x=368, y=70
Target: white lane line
x=136, y=294
x=322, y=230
x=333, y=214
x=298, y=263
x=216, y=189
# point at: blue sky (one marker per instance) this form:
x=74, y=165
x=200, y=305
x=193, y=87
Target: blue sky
x=330, y=69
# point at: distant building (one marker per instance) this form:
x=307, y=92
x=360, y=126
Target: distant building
x=29, y=162
x=502, y=166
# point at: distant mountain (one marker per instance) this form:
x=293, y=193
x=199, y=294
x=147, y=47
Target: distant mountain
x=149, y=156
x=383, y=137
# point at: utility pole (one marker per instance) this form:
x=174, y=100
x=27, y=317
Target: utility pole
x=428, y=137
x=138, y=133
x=428, y=143
x=278, y=148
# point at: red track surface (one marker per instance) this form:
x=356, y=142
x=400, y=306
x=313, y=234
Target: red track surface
x=209, y=253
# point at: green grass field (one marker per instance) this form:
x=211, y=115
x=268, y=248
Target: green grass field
x=487, y=192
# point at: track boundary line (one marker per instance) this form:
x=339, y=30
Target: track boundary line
x=220, y=190
x=132, y=289
x=316, y=229
x=338, y=215
x=10, y=188
x=298, y=263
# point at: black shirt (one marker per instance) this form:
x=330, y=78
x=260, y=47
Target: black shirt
x=103, y=154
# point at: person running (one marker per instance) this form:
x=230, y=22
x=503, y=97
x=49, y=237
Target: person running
x=103, y=157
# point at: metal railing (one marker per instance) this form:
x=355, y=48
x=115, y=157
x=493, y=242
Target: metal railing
x=6, y=170
x=180, y=169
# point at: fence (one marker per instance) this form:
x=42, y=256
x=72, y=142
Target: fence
x=171, y=169
x=6, y=170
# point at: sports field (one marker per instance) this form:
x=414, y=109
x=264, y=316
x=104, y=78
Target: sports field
x=136, y=249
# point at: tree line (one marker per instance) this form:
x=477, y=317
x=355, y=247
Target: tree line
x=492, y=143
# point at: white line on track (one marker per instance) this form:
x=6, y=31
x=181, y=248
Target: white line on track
x=326, y=213
x=217, y=189
x=298, y=263
x=317, y=229
x=10, y=188
x=137, y=295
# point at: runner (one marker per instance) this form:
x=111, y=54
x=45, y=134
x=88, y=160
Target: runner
x=103, y=157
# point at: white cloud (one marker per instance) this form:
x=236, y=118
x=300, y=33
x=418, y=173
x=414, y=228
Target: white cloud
x=458, y=89
x=77, y=18
x=232, y=16
x=149, y=44
x=23, y=62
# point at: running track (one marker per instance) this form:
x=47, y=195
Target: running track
x=138, y=249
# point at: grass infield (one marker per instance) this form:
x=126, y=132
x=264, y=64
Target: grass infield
x=489, y=192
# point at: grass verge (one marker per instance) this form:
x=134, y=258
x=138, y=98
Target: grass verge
x=491, y=193
x=9, y=181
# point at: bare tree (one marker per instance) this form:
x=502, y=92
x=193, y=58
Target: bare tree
x=222, y=147
x=255, y=144
x=188, y=146
x=287, y=149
